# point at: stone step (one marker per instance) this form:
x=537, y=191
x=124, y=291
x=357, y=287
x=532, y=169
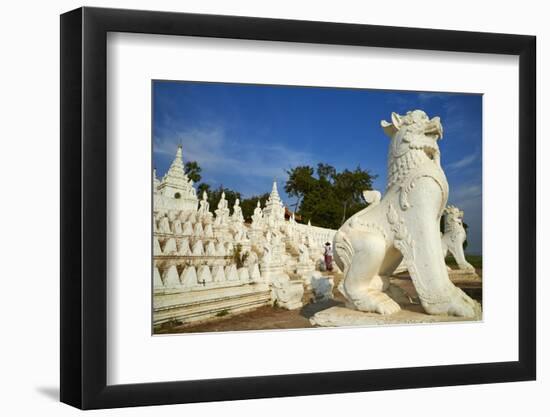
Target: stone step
x=187, y=308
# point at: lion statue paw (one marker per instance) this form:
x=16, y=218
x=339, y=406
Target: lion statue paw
x=459, y=305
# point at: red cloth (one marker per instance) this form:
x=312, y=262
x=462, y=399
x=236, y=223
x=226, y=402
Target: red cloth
x=328, y=262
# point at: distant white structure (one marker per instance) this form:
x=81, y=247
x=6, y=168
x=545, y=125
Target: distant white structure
x=175, y=191
x=274, y=211
x=452, y=240
x=197, y=275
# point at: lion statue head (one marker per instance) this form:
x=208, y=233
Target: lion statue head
x=414, y=139
x=452, y=218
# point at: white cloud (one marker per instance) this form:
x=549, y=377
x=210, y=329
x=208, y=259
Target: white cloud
x=427, y=96
x=463, y=162
x=466, y=192
x=219, y=156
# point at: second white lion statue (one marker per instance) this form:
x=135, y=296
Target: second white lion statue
x=454, y=236
x=403, y=225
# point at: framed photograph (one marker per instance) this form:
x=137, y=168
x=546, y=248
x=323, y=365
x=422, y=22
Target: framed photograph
x=260, y=208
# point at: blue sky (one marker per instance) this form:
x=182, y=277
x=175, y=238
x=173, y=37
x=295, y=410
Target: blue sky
x=245, y=136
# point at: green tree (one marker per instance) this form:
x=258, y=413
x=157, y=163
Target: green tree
x=324, y=195
x=193, y=171
x=215, y=196
x=349, y=187
x=300, y=182
x=325, y=171
x=330, y=197
x=203, y=187
x=249, y=204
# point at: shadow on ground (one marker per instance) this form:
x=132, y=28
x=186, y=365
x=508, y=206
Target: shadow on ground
x=50, y=392
x=310, y=309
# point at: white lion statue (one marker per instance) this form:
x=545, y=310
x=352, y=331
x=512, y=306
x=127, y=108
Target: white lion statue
x=454, y=236
x=403, y=225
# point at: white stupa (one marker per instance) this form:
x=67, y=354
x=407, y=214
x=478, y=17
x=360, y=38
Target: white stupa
x=175, y=191
x=274, y=211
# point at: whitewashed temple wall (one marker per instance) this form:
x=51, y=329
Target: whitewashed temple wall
x=164, y=203
x=320, y=235
x=195, y=275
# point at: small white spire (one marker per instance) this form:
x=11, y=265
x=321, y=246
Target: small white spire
x=274, y=196
x=177, y=169
x=274, y=206
x=156, y=181
x=175, y=181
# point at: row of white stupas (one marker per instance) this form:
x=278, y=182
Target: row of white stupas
x=205, y=276
x=182, y=247
x=185, y=226
x=193, y=251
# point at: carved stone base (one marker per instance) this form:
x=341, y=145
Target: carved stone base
x=341, y=316
x=287, y=293
x=295, y=303
x=270, y=271
x=290, y=265
x=191, y=307
x=322, y=287
x=462, y=275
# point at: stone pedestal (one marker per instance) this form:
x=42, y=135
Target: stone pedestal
x=457, y=275
x=290, y=265
x=322, y=287
x=270, y=271
x=341, y=316
x=454, y=274
x=287, y=293
x=190, y=307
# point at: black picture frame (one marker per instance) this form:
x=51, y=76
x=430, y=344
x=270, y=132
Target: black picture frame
x=84, y=207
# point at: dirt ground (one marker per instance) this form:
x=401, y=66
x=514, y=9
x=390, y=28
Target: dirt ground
x=270, y=318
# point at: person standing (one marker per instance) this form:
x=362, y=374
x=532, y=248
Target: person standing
x=328, y=256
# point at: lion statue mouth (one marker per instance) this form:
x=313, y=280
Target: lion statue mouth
x=431, y=132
